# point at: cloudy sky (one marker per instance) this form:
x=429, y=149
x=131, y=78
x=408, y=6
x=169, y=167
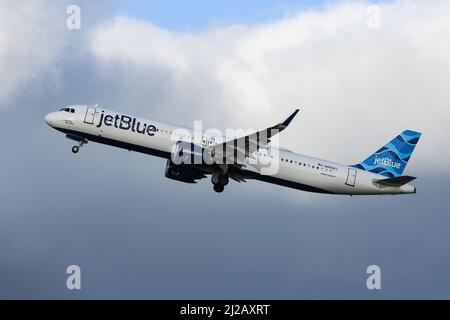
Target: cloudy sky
x=135, y=234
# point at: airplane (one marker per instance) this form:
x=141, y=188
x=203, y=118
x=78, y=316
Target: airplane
x=241, y=158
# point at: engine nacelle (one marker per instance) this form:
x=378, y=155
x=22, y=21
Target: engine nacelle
x=183, y=172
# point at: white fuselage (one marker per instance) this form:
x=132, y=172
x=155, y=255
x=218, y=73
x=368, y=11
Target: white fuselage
x=157, y=138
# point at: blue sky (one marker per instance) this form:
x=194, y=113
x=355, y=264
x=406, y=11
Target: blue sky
x=192, y=15
x=179, y=15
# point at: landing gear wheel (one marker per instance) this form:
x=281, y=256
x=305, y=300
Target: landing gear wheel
x=220, y=179
x=75, y=149
x=224, y=179
x=219, y=187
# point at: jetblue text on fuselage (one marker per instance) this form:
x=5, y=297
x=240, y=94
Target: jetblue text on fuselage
x=126, y=123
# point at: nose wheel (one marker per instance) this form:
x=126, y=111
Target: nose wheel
x=75, y=149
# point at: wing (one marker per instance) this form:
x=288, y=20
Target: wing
x=236, y=150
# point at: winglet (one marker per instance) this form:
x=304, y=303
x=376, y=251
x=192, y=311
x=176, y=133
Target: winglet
x=288, y=120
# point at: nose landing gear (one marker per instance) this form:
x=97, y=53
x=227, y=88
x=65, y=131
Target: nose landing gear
x=75, y=149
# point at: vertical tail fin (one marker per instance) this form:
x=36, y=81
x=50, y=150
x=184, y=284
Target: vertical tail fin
x=391, y=160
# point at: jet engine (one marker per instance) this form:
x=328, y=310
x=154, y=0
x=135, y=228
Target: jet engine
x=182, y=172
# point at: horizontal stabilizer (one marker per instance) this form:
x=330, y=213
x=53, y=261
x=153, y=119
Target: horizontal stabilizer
x=395, y=182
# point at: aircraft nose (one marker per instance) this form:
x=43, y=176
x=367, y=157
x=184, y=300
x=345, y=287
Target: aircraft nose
x=50, y=119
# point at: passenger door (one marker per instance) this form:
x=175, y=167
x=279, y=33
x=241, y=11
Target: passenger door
x=351, y=177
x=90, y=114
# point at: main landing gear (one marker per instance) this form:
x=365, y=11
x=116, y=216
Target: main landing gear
x=218, y=187
x=75, y=149
x=219, y=181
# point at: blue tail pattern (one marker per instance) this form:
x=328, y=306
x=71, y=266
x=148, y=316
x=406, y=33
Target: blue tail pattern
x=391, y=160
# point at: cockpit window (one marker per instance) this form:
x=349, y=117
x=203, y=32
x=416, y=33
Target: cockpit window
x=72, y=110
x=68, y=110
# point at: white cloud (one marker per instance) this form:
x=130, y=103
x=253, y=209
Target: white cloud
x=31, y=37
x=358, y=87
